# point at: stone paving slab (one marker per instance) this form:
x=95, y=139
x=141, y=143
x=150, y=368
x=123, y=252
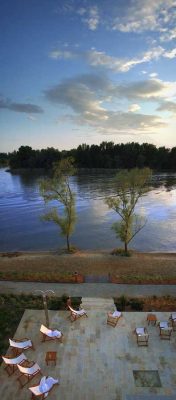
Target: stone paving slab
x=150, y=397
x=96, y=361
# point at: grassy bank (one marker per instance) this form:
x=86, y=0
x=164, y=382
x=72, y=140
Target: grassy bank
x=139, y=268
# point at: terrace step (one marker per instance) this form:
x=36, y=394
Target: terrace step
x=98, y=303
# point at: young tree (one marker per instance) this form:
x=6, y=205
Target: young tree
x=129, y=187
x=58, y=188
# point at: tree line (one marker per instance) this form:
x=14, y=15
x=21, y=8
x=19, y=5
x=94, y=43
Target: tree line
x=106, y=155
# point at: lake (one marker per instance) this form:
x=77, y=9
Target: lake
x=21, y=206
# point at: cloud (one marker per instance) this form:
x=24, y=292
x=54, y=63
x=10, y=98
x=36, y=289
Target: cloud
x=62, y=54
x=27, y=108
x=170, y=54
x=89, y=14
x=79, y=94
x=169, y=35
x=152, y=89
x=142, y=15
x=85, y=97
x=134, y=107
x=31, y=118
x=153, y=75
x=100, y=59
x=167, y=106
x=93, y=18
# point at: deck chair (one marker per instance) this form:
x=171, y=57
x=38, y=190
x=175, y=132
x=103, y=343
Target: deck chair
x=165, y=330
x=173, y=321
x=142, y=336
x=74, y=314
x=28, y=373
x=11, y=362
x=44, y=387
x=50, y=334
x=20, y=345
x=113, y=318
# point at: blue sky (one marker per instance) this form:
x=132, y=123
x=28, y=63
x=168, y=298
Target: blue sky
x=83, y=71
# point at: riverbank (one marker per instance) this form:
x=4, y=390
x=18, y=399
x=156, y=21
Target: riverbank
x=140, y=268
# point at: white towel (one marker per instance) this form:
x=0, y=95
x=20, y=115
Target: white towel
x=46, y=384
x=43, y=387
x=51, y=381
x=164, y=325
x=54, y=333
x=140, y=331
x=116, y=314
x=80, y=312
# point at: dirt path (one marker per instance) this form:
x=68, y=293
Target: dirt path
x=89, y=289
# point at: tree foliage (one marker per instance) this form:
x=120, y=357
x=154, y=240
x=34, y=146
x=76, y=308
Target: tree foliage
x=105, y=155
x=129, y=187
x=58, y=188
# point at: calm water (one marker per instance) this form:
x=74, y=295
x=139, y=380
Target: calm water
x=21, y=207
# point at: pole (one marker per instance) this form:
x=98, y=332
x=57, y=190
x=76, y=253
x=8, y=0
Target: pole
x=46, y=310
x=44, y=297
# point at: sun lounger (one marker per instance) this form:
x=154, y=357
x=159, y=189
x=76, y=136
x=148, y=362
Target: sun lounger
x=11, y=362
x=44, y=387
x=50, y=334
x=142, y=336
x=113, y=318
x=20, y=345
x=173, y=320
x=165, y=330
x=28, y=373
x=74, y=314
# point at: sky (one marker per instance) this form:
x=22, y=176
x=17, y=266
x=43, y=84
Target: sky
x=83, y=71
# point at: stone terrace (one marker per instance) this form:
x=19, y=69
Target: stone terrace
x=96, y=361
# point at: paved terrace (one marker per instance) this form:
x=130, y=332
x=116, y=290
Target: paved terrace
x=96, y=361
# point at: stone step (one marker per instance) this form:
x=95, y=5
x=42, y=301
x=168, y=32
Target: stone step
x=97, y=303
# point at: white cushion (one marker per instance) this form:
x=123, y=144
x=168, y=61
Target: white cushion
x=164, y=325
x=116, y=314
x=140, y=331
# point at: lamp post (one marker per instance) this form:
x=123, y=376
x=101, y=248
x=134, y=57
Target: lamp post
x=44, y=296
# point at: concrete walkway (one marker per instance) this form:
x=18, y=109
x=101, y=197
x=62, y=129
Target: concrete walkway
x=89, y=289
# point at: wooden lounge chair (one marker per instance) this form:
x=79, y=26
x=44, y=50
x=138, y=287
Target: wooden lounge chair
x=50, y=334
x=173, y=321
x=11, y=362
x=19, y=345
x=74, y=314
x=44, y=387
x=113, y=318
x=142, y=336
x=28, y=373
x=165, y=330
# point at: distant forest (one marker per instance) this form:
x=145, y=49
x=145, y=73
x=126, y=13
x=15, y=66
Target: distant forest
x=105, y=155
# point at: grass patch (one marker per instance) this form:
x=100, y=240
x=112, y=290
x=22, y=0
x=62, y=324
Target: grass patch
x=148, y=304
x=12, y=308
x=32, y=276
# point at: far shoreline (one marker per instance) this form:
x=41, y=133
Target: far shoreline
x=85, y=252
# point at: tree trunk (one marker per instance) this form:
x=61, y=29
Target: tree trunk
x=126, y=247
x=68, y=243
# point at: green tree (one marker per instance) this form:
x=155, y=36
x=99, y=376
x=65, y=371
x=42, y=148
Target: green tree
x=129, y=187
x=58, y=188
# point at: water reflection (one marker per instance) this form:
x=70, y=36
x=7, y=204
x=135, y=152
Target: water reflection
x=21, y=207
